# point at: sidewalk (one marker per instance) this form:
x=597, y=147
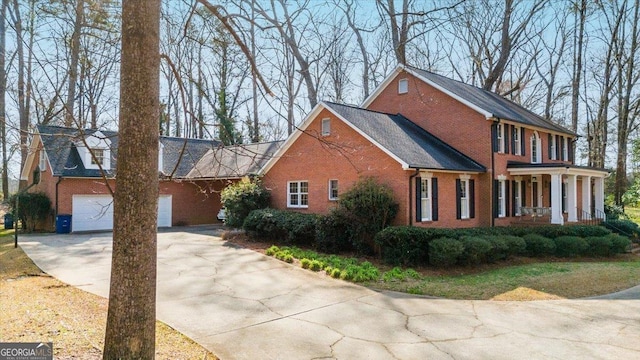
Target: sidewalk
x=243, y=305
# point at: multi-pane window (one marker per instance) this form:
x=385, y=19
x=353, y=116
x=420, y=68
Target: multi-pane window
x=333, y=189
x=517, y=196
x=43, y=161
x=425, y=199
x=517, y=147
x=464, y=199
x=298, y=194
x=98, y=157
x=500, y=137
x=403, y=86
x=326, y=127
x=536, y=157
x=565, y=148
x=502, y=200
x=552, y=148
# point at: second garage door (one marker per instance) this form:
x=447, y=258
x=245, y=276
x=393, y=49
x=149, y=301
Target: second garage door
x=95, y=212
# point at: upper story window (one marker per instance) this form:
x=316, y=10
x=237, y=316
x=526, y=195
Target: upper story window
x=565, y=148
x=326, y=127
x=517, y=146
x=298, y=194
x=536, y=149
x=333, y=190
x=553, y=147
x=403, y=86
x=98, y=157
x=500, y=137
x=43, y=161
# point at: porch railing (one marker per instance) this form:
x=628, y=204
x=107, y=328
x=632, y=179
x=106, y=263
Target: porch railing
x=535, y=213
x=591, y=218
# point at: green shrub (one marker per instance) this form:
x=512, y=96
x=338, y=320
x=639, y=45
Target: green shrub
x=623, y=227
x=241, y=198
x=475, y=251
x=32, y=207
x=404, y=245
x=359, y=273
x=619, y=244
x=538, y=245
x=305, y=263
x=336, y=273
x=599, y=245
x=368, y=207
x=499, y=248
x=316, y=265
x=278, y=225
x=445, y=252
x=271, y=251
x=570, y=246
x=517, y=246
x=332, y=233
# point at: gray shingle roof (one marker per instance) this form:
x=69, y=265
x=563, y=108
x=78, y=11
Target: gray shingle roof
x=495, y=104
x=59, y=143
x=234, y=161
x=406, y=140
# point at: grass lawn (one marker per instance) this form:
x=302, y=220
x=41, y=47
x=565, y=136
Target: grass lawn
x=563, y=279
x=38, y=308
x=634, y=213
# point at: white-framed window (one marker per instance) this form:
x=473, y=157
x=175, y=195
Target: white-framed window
x=43, y=161
x=326, y=127
x=536, y=151
x=333, y=190
x=517, y=196
x=98, y=157
x=565, y=149
x=425, y=199
x=298, y=194
x=500, y=138
x=517, y=150
x=552, y=148
x=464, y=198
x=403, y=86
x=502, y=198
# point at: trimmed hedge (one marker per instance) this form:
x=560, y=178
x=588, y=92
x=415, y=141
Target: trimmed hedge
x=287, y=226
x=445, y=251
x=332, y=233
x=619, y=244
x=570, y=246
x=599, y=246
x=404, y=245
x=623, y=227
x=538, y=245
x=476, y=250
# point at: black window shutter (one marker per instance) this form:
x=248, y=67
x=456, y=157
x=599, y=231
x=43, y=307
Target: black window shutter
x=514, y=131
x=494, y=137
x=458, y=205
x=523, y=188
x=496, y=183
x=558, y=147
x=434, y=199
x=563, y=193
x=472, y=199
x=507, y=207
x=522, y=143
x=506, y=138
x=514, y=211
x=418, y=199
x=549, y=137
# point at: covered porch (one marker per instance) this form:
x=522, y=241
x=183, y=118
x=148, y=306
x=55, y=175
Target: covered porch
x=560, y=193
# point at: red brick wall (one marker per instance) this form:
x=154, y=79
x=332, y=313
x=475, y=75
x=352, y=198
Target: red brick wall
x=347, y=156
x=193, y=203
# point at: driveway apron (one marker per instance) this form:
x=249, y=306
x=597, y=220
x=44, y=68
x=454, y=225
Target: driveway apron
x=240, y=304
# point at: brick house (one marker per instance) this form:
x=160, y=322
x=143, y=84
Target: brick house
x=78, y=183
x=455, y=156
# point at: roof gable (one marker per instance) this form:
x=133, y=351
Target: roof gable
x=487, y=103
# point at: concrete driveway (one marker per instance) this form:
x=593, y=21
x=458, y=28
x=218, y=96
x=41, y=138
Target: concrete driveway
x=240, y=304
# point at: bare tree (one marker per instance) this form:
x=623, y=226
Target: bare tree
x=580, y=11
x=130, y=332
x=3, y=105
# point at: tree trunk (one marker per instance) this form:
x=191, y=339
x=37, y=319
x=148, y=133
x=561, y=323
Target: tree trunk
x=577, y=66
x=130, y=332
x=73, y=63
x=3, y=91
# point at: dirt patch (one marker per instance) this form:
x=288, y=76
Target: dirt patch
x=525, y=294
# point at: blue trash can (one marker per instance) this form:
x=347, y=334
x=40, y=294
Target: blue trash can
x=8, y=221
x=63, y=224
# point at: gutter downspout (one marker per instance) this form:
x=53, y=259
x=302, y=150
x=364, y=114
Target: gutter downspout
x=57, y=183
x=411, y=196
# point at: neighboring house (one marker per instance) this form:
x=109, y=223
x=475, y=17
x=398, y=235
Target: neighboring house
x=77, y=181
x=455, y=156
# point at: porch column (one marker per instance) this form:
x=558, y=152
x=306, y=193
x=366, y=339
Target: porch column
x=572, y=195
x=556, y=199
x=598, y=190
x=586, y=197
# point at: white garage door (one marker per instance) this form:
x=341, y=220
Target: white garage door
x=95, y=212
